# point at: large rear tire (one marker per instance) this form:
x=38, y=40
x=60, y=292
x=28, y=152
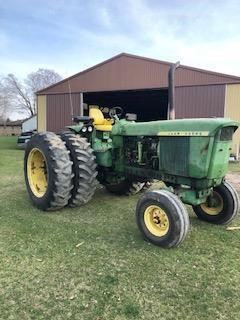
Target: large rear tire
x=84, y=169
x=47, y=169
x=162, y=218
x=220, y=208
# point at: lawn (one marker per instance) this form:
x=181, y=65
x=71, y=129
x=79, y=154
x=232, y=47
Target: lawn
x=91, y=262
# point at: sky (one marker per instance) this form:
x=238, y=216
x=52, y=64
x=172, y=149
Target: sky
x=70, y=36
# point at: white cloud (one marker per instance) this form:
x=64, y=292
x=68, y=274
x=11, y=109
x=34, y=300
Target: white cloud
x=200, y=34
x=71, y=36
x=104, y=17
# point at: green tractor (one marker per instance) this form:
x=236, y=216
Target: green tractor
x=190, y=156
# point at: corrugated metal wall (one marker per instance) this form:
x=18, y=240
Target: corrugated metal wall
x=200, y=101
x=127, y=72
x=119, y=74
x=191, y=102
x=59, y=110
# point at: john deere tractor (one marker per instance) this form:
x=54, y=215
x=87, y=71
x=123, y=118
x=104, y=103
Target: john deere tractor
x=190, y=156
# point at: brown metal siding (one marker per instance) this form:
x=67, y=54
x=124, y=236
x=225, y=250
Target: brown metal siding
x=126, y=72
x=200, y=101
x=120, y=74
x=59, y=111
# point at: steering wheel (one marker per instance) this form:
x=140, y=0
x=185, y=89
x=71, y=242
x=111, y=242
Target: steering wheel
x=115, y=111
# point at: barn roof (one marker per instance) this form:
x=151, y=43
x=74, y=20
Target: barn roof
x=127, y=72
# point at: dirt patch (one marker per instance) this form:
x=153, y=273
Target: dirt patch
x=234, y=179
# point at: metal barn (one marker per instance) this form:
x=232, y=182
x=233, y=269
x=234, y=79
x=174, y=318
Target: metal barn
x=139, y=85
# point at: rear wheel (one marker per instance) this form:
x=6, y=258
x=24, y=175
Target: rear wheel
x=47, y=169
x=162, y=218
x=84, y=169
x=221, y=207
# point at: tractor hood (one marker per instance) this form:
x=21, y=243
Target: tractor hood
x=183, y=127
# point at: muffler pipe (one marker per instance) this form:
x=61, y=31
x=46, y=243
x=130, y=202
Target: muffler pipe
x=171, y=90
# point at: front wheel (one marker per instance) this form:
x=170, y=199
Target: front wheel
x=221, y=207
x=162, y=218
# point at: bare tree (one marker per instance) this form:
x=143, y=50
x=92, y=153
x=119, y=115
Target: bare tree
x=21, y=94
x=41, y=79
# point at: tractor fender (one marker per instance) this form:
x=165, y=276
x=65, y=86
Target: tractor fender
x=76, y=129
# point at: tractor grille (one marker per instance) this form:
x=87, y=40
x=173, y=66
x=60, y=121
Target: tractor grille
x=174, y=155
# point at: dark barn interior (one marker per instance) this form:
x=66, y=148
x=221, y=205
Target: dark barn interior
x=147, y=104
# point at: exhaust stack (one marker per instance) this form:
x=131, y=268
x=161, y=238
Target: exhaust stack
x=171, y=90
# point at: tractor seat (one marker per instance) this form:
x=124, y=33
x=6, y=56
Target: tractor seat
x=99, y=122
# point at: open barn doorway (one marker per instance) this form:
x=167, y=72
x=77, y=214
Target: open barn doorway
x=148, y=105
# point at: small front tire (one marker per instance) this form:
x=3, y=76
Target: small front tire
x=220, y=208
x=162, y=218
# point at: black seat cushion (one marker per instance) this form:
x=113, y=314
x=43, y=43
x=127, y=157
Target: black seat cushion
x=84, y=119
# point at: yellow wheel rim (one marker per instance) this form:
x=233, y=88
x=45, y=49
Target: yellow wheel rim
x=216, y=205
x=37, y=172
x=156, y=220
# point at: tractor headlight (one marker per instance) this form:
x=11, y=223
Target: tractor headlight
x=84, y=129
x=90, y=129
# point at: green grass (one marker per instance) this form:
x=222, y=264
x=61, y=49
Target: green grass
x=91, y=262
x=8, y=142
